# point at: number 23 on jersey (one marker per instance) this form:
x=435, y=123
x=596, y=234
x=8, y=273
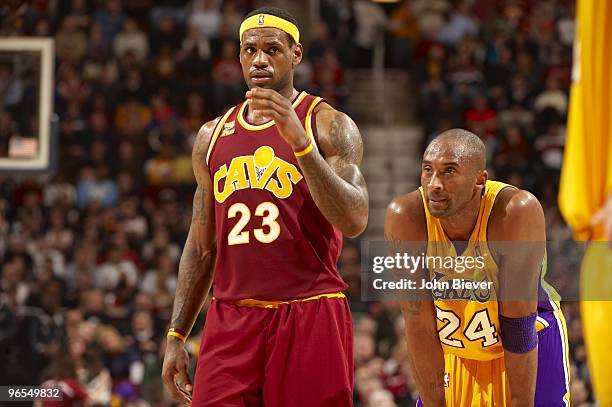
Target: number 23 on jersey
x=267, y=233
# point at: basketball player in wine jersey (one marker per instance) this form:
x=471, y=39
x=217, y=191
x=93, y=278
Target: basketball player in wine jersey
x=278, y=185
x=502, y=346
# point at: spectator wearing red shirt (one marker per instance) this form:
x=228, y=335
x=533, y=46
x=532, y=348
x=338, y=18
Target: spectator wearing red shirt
x=61, y=374
x=481, y=115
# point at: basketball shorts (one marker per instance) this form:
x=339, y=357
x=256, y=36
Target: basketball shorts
x=596, y=285
x=476, y=383
x=288, y=354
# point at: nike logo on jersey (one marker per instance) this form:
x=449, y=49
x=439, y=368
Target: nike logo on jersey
x=256, y=171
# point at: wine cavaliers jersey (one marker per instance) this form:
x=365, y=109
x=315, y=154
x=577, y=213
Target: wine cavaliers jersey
x=273, y=243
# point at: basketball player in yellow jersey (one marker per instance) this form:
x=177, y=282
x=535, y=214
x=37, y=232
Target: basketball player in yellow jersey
x=478, y=348
x=585, y=192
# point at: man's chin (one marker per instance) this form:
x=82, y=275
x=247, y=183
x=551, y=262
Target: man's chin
x=438, y=213
x=263, y=85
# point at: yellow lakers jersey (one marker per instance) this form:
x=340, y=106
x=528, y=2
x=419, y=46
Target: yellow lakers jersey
x=465, y=298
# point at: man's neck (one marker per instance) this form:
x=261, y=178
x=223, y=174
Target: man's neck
x=289, y=92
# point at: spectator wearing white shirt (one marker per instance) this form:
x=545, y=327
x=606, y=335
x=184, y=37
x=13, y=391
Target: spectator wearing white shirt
x=115, y=270
x=370, y=19
x=552, y=97
x=206, y=15
x=131, y=39
x=459, y=25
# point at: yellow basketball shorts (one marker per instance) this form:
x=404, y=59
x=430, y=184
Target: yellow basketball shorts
x=484, y=383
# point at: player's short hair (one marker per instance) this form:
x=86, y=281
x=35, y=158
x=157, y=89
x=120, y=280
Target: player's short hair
x=470, y=145
x=278, y=12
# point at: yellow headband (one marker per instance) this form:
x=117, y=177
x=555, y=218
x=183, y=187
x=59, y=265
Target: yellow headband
x=270, y=21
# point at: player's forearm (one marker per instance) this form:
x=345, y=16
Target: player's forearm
x=341, y=198
x=194, y=280
x=425, y=354
x=521, y=369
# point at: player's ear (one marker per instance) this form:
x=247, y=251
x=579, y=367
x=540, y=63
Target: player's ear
x=298, y=51
x=481, y=178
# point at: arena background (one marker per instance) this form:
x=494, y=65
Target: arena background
x=134, y=81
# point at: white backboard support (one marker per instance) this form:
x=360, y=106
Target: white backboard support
x=30, y=143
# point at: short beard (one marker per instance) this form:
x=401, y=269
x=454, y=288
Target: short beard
x=439, y=214
x=283, y=82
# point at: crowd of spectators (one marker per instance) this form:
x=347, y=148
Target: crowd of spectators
x=503, y=71
x=88, y=257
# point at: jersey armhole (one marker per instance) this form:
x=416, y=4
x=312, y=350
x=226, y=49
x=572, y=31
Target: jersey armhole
x=215, y=134
x=311, y=123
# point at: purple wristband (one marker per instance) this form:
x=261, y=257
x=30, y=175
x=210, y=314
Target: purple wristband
x=519, y=334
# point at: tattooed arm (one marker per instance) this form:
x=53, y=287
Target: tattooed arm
x=195, y=274
x=335, y=182
x=406, y=231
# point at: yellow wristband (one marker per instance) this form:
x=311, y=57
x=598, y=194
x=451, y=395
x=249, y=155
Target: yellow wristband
x=305, y=151
x=177, y=335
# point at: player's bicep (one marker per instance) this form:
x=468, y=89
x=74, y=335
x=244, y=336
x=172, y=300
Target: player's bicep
x=523, y=252
x=404, y=235
x=341, y=145
x=202, y=228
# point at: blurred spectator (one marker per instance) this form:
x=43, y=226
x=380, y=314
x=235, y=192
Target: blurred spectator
x=459, y=25
x=195, y=115
x=481, y=115
x=80, y=14
x=227, y=72
x=98, y=44
x=110, y=18
x=61, y=374
x=70, y=41
x=196, y=42
x=231, y=18
x=552, y=97
x=430, y=16
x=550, y=147
x=206, y=15
x=167, y=33
x=115, y=271
x=404, y=34
x=370, y=21
x=95, y=186
x=131, y=39
x=328, y=78
x=132, y=117
x=513, y=151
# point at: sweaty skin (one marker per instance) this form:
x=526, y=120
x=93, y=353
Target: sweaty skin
x=453, y=176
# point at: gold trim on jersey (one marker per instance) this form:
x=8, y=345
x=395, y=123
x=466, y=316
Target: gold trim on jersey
x=435, y=231
x=308, y=124
x=558, y=314
x=217, y=131
x=250, y=302
x=257, y=127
